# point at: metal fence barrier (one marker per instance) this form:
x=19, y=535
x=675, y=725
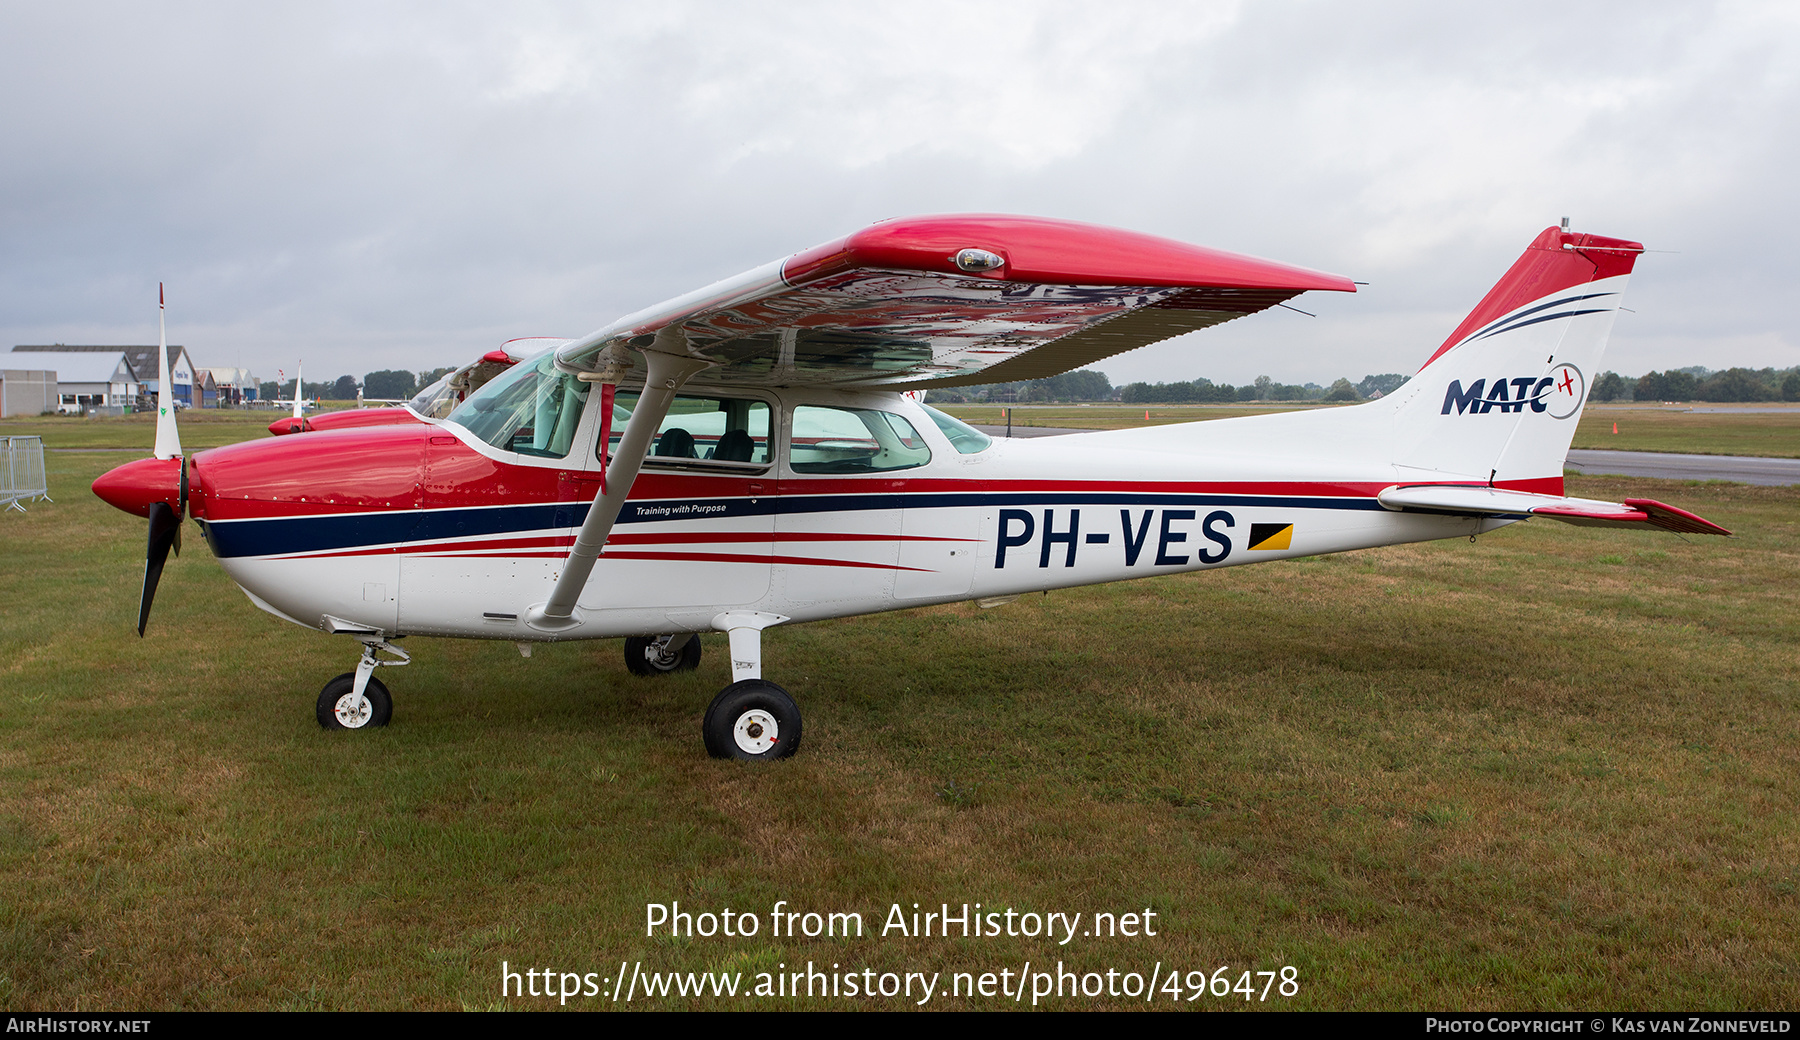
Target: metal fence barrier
x=22, y=472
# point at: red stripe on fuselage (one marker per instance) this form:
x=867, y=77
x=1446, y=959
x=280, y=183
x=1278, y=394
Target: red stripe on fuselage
x=400, y=468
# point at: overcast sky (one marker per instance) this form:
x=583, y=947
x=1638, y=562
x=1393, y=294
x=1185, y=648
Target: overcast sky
x=371, y=186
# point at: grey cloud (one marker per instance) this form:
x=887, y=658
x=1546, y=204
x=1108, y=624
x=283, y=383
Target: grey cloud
x=403, y=188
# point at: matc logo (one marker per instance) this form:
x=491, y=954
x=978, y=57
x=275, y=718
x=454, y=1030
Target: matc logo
x=1567, y=390
x=1559, y=393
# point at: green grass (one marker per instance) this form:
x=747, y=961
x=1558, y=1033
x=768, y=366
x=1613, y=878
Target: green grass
x=1773, y=434
x=200, y=428
x=1553, y=769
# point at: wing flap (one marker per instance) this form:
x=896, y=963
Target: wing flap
x=891, y=306
x=1476, y=500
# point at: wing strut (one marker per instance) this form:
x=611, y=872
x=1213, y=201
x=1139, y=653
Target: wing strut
x=667, y=373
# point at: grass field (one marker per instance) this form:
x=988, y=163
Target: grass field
x=1554, y=769
x=1641, y=428
x=1768, y=433
x=200, y=428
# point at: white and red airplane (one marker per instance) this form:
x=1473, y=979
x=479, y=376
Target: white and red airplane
x=751, y=455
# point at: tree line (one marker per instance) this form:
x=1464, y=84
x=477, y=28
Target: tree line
x=1699, y=383
x=388, y=383
x=1088, y=385
x=1695, y=383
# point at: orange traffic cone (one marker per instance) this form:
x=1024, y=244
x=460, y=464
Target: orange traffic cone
x=1146, y=413
x=1615, y=427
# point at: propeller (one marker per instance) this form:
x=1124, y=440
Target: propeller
x=165, y=531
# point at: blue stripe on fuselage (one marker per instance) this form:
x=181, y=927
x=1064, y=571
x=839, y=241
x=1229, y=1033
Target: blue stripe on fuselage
x=281, y=536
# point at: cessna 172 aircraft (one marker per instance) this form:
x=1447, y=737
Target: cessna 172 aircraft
x=750, y=455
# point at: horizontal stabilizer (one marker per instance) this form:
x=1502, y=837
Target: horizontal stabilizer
x=1467, y=500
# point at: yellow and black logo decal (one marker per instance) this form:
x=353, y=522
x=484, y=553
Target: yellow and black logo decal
x=1271, y=536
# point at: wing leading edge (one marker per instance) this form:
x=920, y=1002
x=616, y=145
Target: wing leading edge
x=943, y=301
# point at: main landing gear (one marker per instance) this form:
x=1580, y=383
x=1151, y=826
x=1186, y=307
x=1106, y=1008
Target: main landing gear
x=661, y=655
x=752, y=720
x=358, y=700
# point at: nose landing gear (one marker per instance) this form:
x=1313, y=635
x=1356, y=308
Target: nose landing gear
x=358, y=700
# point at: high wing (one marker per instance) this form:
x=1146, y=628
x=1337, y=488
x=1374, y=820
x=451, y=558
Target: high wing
x=1464, y=500
x=948, y=301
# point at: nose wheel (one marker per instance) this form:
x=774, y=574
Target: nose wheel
x=358, y=700
x=341, y=708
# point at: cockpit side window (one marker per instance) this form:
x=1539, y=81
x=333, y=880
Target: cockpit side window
x=701, y=430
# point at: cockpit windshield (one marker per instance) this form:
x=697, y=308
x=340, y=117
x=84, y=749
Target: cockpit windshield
x=532, y=409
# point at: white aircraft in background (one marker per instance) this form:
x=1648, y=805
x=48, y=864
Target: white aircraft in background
x=752, y=455
x=300, y=404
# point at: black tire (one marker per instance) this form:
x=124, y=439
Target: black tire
x=752, y=721
x=640, y=658
x=380, y=704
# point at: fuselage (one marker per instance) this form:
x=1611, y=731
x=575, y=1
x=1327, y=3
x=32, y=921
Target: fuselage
x=425, y=528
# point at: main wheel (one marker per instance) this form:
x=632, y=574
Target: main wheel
x=752, y=721
x=335, y=704
x=653, y=657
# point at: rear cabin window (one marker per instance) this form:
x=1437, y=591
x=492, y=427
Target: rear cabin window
x=964, y=438
x=853, y=440
x=700, y=430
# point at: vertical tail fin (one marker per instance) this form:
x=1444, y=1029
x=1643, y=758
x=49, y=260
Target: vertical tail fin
x=1498, y=402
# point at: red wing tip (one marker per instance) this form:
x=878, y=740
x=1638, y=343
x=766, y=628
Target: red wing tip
x=1667, y=516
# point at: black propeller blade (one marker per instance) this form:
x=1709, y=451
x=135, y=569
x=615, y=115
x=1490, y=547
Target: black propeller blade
x=165, y=529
